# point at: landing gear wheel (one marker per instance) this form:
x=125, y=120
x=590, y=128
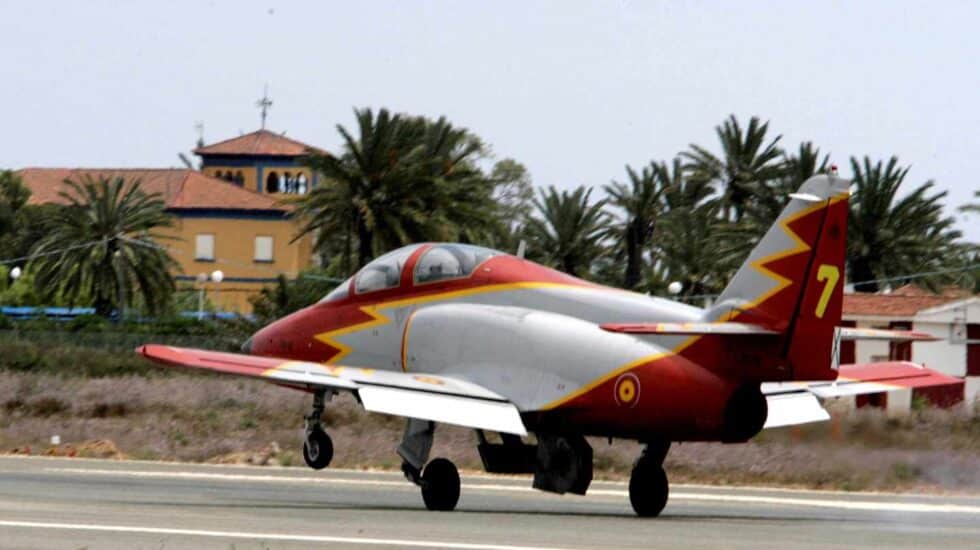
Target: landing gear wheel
x=648, y=488
x=318, y=449
x=440, y=485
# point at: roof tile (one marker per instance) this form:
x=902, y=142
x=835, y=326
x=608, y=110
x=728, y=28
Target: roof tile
x=260, y=142
x=180, y=188
x=904, y=301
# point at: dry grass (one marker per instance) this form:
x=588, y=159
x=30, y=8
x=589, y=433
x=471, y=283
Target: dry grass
x=201, y=418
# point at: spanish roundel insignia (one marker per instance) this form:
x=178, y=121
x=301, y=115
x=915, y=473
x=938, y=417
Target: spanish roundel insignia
x=627, y=390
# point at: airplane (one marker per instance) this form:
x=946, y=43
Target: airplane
x=465, y=335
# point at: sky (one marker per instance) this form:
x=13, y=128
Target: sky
x=573, y=90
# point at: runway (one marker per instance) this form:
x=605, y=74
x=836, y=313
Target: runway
x=74, y=503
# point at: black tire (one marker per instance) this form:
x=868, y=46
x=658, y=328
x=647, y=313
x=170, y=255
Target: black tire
x=648, y=488
x=318, y=449
x=440, y=485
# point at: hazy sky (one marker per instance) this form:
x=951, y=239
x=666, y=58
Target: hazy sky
x=574, y=90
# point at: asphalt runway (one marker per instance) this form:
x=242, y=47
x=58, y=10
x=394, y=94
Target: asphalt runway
x=75, y=503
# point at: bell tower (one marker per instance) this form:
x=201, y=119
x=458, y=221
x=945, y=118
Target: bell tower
x=263, y=161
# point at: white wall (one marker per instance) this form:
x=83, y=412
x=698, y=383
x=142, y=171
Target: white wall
x=972, y=391
x=941, y=355
x=868, y=351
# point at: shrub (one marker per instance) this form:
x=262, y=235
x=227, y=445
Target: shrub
x=48, y=406
x=107, y=410
x=87, y=323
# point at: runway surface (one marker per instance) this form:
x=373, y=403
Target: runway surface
x=74, y=503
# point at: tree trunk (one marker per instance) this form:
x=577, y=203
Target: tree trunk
x=365, y=240
x=633, y=253
x=861, y=273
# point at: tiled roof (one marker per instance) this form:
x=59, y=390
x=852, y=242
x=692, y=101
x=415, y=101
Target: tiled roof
x=261, y=142
x=903, y=302
x=180, y=188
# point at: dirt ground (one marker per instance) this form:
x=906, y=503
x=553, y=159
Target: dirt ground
x=203, y=418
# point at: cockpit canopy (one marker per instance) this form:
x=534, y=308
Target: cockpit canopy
x=439, y=262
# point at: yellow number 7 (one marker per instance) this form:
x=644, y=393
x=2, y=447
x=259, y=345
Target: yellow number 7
x=831, y=275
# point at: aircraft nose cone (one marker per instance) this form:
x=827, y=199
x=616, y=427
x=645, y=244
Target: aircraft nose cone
x=247, y=345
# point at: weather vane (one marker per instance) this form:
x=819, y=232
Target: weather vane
x=264, y=104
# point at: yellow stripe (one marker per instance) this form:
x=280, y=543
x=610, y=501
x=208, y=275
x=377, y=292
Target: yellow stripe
x=799, y=246
x=620, y=370
x=759, y=265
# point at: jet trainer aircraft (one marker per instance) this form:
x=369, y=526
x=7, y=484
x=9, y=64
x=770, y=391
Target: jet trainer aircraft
x=464, y=335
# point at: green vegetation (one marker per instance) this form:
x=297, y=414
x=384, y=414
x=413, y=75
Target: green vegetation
x=401, y=179
x=101, y=249
x=890, y=236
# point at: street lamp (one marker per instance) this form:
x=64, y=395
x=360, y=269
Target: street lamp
x=217, y=276
x=15, y=273
x=201, y=279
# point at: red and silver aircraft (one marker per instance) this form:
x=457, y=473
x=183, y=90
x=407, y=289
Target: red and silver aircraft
x=458, y=334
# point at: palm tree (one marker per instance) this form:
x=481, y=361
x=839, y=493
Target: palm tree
x=888, y=236
x=687, y=251
x=746, y=162
x=769, y=200
x=972, y=207
x=102, y=248
x=400, y=180
x=639, y=204
x=567, y=230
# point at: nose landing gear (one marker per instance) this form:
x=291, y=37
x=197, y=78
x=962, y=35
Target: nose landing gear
x=318, y=447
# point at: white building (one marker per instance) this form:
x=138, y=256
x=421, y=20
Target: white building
x=953, y=316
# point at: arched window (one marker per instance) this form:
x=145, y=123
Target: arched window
x=272, y=183
x=301, y=184
x=239, y=178
x=287, y=186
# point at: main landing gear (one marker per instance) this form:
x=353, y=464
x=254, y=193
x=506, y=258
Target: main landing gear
x=318, y=447
x=648, y=482
x=439, y=480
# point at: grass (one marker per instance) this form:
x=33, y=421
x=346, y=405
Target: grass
x=205, y=418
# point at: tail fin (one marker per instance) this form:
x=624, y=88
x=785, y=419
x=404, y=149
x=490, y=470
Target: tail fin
x=793, y=280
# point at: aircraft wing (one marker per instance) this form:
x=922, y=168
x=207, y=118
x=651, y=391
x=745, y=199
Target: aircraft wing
x=414, y=395
x=734, y=329
x=796, y=402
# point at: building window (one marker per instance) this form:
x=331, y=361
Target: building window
x=301, y=184
x=272, y=183
x=239, y=178
x=263, y=248
x=204, y=247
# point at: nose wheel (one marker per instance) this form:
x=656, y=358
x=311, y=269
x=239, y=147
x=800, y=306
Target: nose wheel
x=318, y=447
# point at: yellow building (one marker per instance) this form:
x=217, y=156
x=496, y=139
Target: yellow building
x=238, y=227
